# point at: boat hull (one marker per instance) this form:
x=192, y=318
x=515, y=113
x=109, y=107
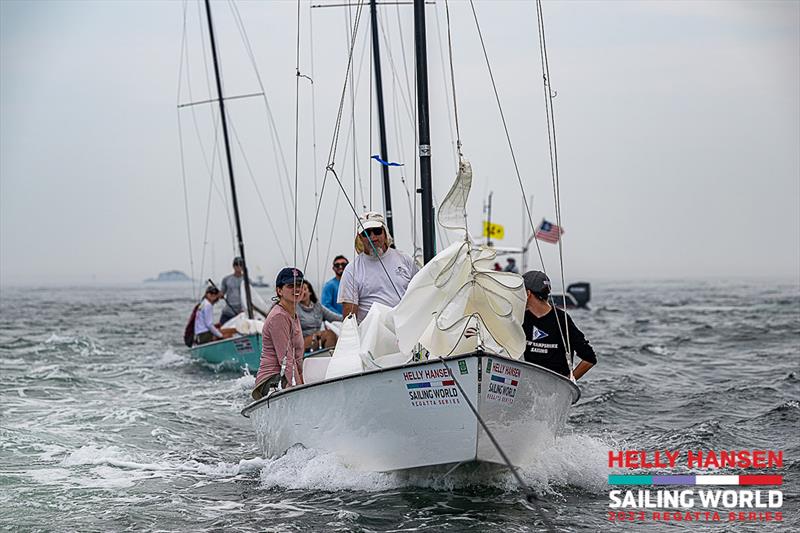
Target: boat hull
x=418, y=415
x=234, y=353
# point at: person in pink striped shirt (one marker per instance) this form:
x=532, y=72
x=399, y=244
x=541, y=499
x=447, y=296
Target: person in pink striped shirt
x=282, y=338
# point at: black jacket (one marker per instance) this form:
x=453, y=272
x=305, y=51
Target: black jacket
x=546, y=347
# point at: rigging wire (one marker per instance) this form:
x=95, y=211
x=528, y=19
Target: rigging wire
x=334, y=147
x=356, y=177
x=395, y=77
x=210, y=165
x=397, y=89
x=452, y=78
x=337, y=128
x=257, y=189
x=242, y=31
x=530, y=496
x=183, y=159
x=281, y=166
x=314, y=132
x=551, y=134
x=221, y=191
x=354, y=79
x=407, y=77
x=214, y=117
x=296, y=130
x=513, y=155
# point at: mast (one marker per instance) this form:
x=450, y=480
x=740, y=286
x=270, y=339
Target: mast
x=222, y=115
x=376, y=57
x=423, y=113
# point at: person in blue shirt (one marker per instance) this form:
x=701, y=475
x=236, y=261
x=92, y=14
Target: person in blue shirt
x=330, y=290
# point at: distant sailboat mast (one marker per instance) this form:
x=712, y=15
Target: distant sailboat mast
x=223, y=117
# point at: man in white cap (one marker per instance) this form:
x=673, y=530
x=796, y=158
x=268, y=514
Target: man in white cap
x=378, y=273
x=549, y=330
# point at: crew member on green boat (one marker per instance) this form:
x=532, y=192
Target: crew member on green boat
x=204, y=328
x=231, y=287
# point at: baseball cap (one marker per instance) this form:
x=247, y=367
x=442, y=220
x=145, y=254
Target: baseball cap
x=238, y=261
x=537, y=282
x=288, y=275
x=370, y=219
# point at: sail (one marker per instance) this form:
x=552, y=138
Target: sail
x=455, y=304
x=468, y=303
x=453, y=209
x=346, y=359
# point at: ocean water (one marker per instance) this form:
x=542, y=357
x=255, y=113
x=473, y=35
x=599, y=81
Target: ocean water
x=107, y=424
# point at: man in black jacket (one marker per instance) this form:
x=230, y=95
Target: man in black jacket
x=549, y=331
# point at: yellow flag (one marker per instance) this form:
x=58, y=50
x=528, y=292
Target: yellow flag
x=493, y=231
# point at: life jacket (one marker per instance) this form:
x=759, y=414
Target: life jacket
x=188, y=332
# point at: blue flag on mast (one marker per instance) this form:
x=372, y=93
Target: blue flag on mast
x=385, y=163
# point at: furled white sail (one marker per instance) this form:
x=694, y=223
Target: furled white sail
x=452, y=212
x=453, y=305
x=461, y=292
x=346, y=359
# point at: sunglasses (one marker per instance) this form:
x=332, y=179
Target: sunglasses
x=372, y=231
x=339, y=265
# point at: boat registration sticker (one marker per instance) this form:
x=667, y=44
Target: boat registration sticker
x=462, y=367
x=503, y=382
x=433, y=387
x=243, y=345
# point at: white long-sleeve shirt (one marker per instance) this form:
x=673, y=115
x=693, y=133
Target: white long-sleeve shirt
x=204, y=320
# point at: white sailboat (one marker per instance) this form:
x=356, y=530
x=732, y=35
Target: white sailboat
x=414, y=415
x=439, y=379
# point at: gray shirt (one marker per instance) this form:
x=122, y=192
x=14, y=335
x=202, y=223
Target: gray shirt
x=231, y=288
x=365, y=280
x=311, y=317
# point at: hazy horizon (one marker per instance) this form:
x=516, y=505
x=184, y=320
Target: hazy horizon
x=678, y=130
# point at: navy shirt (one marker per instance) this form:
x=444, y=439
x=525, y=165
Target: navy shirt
x=545, y=346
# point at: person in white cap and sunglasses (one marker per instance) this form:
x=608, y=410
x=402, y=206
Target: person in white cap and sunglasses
x=379, y=273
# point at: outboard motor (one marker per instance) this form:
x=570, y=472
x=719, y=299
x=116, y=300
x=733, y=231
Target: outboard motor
x=581, y=291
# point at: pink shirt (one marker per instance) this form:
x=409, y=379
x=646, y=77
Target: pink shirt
x=281, y=338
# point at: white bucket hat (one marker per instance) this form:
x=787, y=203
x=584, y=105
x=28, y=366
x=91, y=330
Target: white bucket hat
x=371, y=219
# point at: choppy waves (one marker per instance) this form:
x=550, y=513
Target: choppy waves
x=108, y=424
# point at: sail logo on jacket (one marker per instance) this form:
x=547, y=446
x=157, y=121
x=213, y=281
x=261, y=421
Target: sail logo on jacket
x=537, y=334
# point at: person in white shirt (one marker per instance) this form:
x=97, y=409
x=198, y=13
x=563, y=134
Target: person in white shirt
x=378, y=273
x=204, y=328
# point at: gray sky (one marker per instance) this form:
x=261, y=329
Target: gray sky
x=678, y=133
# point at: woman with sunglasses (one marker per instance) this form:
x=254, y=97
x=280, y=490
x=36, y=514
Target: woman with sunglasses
x=378, y=273
x=282, y=337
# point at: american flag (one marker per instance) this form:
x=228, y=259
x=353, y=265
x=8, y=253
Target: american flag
x=549, y=232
